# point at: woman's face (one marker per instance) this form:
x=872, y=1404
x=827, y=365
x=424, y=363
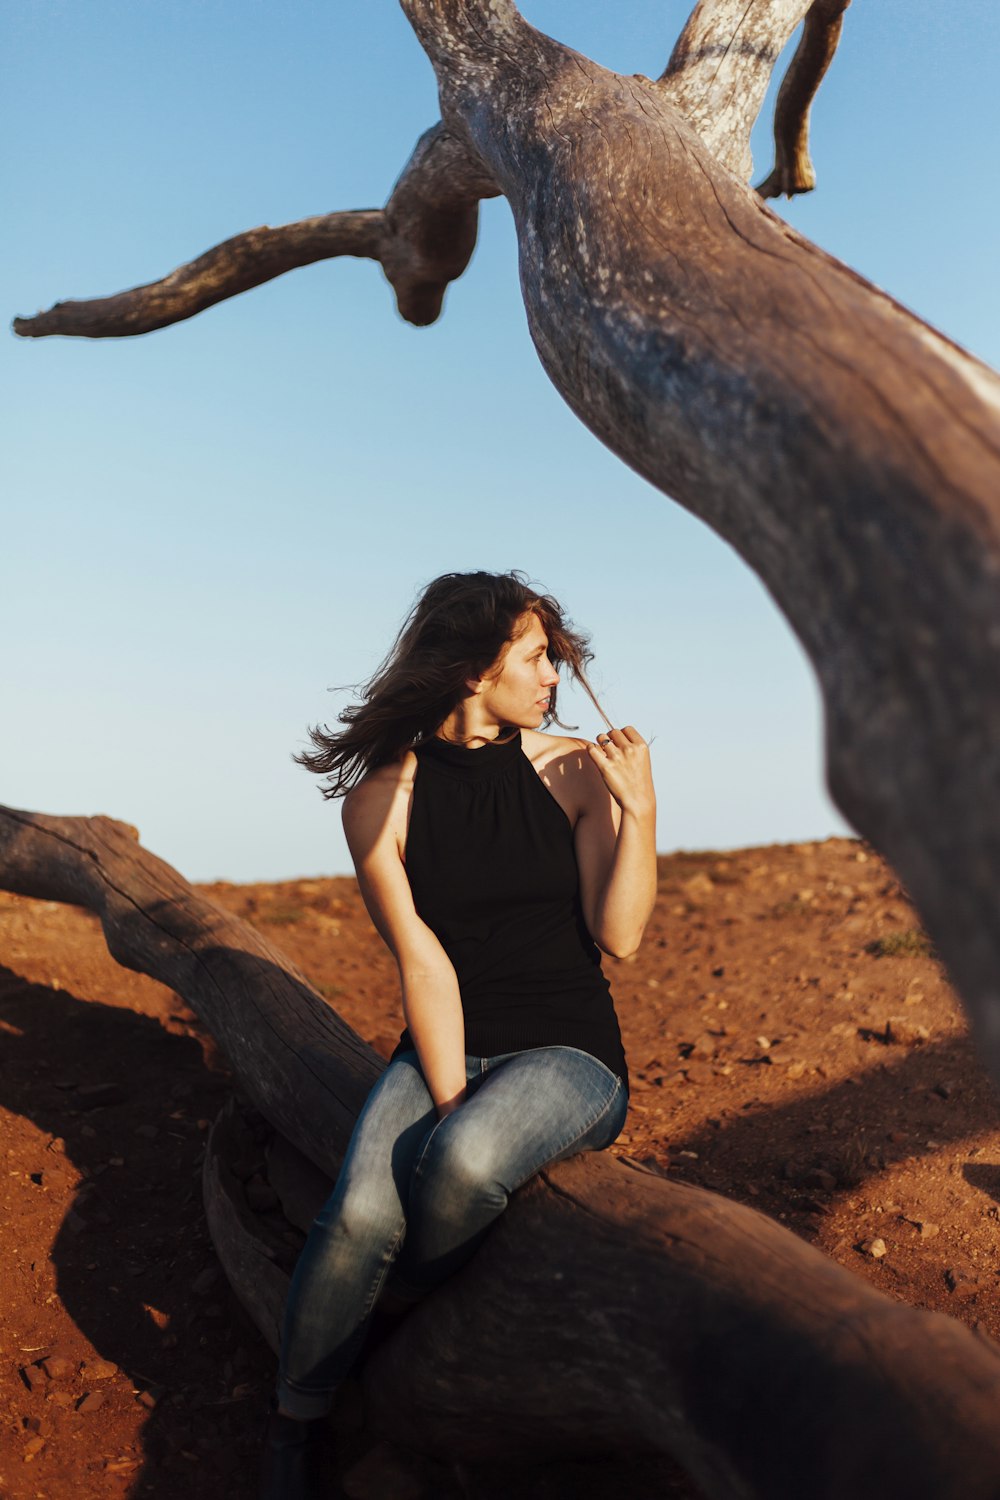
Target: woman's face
x=519, y=694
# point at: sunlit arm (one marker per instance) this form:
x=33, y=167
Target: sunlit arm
x=432, y=1002
x=616, y=845
x=432, y=1009
x=625, y=904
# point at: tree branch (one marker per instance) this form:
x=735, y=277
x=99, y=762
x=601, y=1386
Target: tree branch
x=720, y=69
x=302, y=1066
x=793, y=171
x=423, y=238
x=238, y=264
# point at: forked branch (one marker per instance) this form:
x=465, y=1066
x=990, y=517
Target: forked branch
x=793, y=171
x=720, y=69
x=423, y=239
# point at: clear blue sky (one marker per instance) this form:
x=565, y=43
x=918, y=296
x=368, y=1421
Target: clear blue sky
x=208, y=527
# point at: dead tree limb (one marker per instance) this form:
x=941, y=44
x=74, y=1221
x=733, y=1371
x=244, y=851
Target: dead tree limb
x=303, y=1067
x=423, y=239
x=765, y=1369
x=713, y=1326
x=720, y=69
x=793, y=171
x=848, y=452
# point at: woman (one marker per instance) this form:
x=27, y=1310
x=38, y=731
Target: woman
x=494, y=860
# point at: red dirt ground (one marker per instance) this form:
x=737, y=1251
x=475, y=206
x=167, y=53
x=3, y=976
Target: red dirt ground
x=793, y=1044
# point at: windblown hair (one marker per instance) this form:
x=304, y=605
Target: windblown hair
x=459, y=628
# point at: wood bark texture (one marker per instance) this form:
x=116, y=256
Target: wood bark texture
x=612, y=1311
x=298, y=1063
x=608, y=1310
x=849, y=452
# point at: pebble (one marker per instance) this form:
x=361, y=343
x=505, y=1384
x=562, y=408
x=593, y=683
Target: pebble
x=61, y=1398
x=32, y=1448
x=99, y=1369
x=960, y=1282
x=34, y=1375
x=874, y=1247
x=150, y=1398
x=820, y=1179
x=904, y=1032
x=56, y=1366
x=96, y=1095
x=121, y=1465
x=92, y=1401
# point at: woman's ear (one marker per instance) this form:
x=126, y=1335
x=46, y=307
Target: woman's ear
x=475, y=685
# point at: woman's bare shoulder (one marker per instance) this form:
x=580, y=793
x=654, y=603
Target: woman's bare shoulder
x=542, y=748
x=377, y=795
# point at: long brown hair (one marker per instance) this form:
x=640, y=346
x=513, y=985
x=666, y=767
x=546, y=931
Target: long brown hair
x=458, y=629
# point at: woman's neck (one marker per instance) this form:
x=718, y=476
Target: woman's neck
x=465, y=727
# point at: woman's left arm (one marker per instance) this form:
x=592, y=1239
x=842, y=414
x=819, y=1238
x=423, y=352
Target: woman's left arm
x=615, y=837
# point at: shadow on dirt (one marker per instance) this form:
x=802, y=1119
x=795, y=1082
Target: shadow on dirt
x=135, y=1269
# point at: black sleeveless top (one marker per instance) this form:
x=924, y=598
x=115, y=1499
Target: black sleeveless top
x=492, y=867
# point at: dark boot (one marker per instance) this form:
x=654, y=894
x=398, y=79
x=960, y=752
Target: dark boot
x=296, y=1459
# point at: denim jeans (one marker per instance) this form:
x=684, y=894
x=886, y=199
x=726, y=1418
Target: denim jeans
x=416, y=1195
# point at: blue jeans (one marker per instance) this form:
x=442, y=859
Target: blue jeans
x=438, y=1184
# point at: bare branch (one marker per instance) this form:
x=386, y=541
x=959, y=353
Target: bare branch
x=423, y=238
x=793, y=170
x=247, y=260
x=720, y=69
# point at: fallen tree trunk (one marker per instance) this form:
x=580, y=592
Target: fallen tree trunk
x=614, y=1311
x=303, y=1067
x=608, y=1310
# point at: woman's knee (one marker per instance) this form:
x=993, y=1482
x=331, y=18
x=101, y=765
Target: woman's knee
x=466, y=1161
x=361, y=1214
